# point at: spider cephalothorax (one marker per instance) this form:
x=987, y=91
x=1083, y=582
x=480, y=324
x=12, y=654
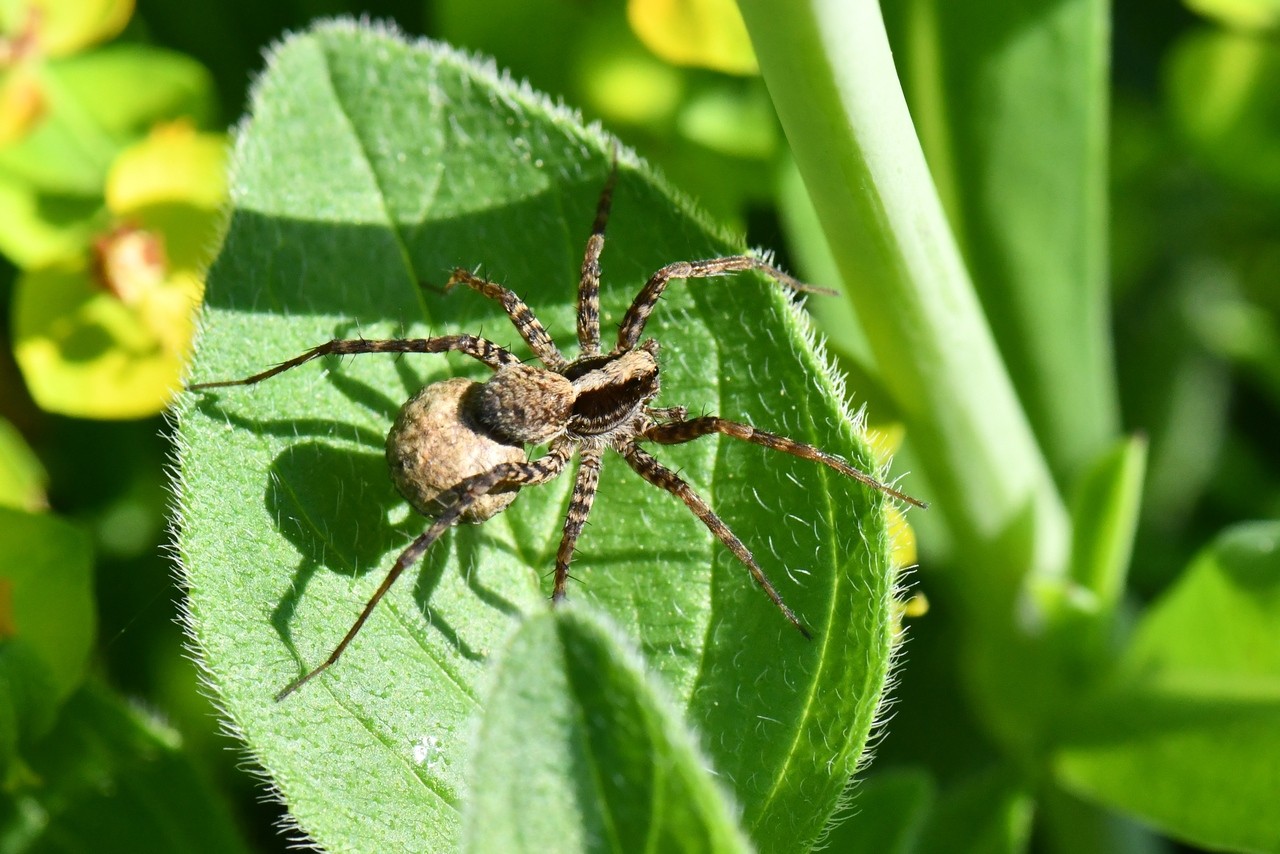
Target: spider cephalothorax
x=457, y=448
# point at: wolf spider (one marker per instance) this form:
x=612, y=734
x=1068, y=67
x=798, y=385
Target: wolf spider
x=457, y=449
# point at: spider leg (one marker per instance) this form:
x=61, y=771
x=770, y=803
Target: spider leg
x=589, y=282
x=463, y=495
x=671, y=413
x=584, y=495
x=477, y=348
x=634, y=320
x=661, y=476
x=678, y=432
x=522, y=317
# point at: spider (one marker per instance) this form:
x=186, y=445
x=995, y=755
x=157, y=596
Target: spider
x=457, y=449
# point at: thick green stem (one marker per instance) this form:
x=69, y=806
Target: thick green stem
x=1011, y=104
x=831, y=75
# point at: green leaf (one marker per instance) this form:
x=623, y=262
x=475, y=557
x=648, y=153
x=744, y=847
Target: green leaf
x=1222, y=92
x=47, y=619
x=577, y=752
x=1240, y=14
x=1104, y=512
x=985, y=813
x=368, y=166
x=110, y=779
x=886, y=813
x=1186, y=738
x=99, y=102
x=23, y=479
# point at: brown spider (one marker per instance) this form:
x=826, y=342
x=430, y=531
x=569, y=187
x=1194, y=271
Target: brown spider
x=457, y=448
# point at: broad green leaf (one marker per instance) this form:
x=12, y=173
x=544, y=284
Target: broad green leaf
x=370, y=165
x=110, y=779
x=1187, y=739
x=577, y=752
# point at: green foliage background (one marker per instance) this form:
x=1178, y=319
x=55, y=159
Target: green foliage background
x=1073, y=311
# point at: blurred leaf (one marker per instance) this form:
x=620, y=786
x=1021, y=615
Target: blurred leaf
x=705, y=33
x=1104, y=513
x=22, y=479
x=370, y=166
x=577, y=752
x=986, y=813
x=173, y=183
x=51, y=183
x=110, y=779
x=1182, y=398
x=1224, y=94
x=173, y=164
x=46, y=622
x=1239, y=331
x=737, y=121
x=84, y=352
x=1186, y=737
x=97, y=103
x=1240, y=14
x=128, y=88
x=110, y=339
x=621, y=81
x=886, y=814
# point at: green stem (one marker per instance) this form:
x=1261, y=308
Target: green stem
x=830, y=72
x=1011, y=104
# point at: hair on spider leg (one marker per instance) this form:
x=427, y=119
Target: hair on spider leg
x=458, y=450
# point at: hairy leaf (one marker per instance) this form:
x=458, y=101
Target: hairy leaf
x=370, y=166
x=622, y=773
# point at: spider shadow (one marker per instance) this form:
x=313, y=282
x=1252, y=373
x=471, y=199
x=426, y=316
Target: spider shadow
x=332, y=504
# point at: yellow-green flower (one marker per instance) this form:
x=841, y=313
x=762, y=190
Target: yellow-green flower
x=106, y=334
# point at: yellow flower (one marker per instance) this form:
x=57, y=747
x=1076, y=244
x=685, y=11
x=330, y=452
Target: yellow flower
x=32, y=31
x=106, y=334
x=703, y=33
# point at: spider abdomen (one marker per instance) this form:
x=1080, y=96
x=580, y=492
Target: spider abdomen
x=436, y=443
